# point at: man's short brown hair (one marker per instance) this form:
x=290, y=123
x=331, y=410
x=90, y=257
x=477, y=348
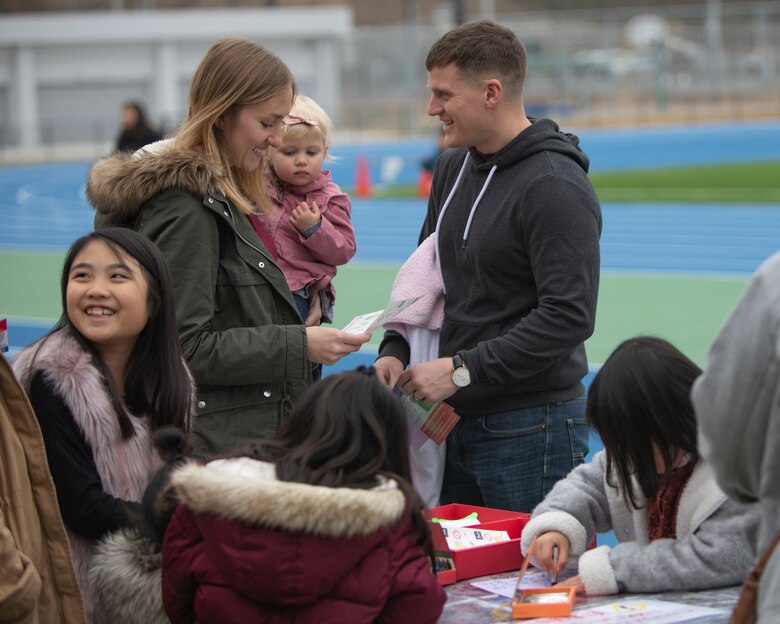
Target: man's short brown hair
x=482, y=49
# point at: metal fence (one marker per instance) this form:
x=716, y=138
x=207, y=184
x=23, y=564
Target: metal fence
x=702, y=61
x=705, y=61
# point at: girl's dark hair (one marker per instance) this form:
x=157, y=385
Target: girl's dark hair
x=346, y=431
x=157, y=382
x=641, y=396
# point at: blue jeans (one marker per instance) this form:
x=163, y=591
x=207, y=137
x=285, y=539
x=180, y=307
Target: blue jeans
x=302, y=303
x=511, y=460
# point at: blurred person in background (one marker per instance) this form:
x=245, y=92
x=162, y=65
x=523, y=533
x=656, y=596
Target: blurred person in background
x=428, y=164
x=136, y=130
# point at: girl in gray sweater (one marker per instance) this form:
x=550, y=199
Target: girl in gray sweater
x=676, y=529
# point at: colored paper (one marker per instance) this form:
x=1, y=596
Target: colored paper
x=435, y=421
x=459, y=538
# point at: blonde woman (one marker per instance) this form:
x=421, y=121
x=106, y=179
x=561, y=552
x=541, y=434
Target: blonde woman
x=193, y=196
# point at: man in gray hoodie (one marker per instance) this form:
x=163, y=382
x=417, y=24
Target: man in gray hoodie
x=517, y=226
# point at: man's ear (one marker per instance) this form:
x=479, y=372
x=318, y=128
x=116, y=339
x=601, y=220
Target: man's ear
x=494, y=91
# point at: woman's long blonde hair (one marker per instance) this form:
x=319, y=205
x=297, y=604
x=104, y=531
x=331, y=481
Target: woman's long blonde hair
x=235, y=72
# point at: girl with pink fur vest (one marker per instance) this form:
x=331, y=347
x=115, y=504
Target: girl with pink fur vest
x=102, y=380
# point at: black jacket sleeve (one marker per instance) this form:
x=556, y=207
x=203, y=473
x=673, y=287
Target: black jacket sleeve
x=86, y=508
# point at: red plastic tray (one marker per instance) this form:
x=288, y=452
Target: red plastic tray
x=493, y=558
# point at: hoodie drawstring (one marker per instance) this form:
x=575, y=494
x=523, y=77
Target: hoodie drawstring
x=471, y=214
x=476, y=203
x=441, y=216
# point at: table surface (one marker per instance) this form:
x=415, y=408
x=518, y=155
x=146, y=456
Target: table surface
x=468, y=605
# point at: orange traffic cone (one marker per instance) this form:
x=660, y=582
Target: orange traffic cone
x=424, y=183
x=362, y=178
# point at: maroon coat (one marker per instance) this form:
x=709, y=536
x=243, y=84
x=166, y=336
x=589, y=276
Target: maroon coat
x=244, y=547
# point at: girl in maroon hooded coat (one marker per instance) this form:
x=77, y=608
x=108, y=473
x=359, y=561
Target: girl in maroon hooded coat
x=318, y=524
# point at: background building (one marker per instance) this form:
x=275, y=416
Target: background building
x=64, y=74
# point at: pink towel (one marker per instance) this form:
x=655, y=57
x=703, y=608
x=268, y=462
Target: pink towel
x=419, y=276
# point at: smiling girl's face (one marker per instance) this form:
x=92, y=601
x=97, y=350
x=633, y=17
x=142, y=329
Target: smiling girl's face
x=107, y=298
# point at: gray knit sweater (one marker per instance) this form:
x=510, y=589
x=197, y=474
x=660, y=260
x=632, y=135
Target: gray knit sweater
x=711, y=549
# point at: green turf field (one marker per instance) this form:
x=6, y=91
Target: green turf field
x=743, y=182
x=688, y=311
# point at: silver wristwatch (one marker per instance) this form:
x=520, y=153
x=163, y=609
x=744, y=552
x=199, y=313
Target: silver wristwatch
x=460, y=372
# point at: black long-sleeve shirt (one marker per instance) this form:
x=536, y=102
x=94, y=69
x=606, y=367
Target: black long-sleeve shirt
x=86, y=508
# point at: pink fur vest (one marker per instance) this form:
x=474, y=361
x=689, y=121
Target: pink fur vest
x=125, y=466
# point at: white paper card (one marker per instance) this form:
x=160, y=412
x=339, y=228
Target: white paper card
x=532, y=579
x=365, y=323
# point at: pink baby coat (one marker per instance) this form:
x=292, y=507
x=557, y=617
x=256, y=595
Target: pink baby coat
x=306, y=261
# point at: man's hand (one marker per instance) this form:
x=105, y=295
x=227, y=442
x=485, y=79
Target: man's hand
x=429, y=382
x=304, y=216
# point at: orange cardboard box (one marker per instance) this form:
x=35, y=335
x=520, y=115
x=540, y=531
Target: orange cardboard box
x=544, y=602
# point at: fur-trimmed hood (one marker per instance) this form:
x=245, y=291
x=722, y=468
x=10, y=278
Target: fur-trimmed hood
x=246, y=547
x=76, y=380
x=121, y=183
x=126, y=581
x=247, y=490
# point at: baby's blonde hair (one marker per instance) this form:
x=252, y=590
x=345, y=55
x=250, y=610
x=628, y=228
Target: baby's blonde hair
x=298, y=123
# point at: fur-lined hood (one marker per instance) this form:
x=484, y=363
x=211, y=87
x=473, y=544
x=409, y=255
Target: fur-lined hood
x=121, y=183
x=247, y=490
x=246, y=547
x=126, y=580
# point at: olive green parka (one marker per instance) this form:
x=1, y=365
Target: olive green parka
x=238, y=325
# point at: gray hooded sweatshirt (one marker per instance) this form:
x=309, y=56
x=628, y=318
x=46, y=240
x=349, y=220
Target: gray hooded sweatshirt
x=737, y=402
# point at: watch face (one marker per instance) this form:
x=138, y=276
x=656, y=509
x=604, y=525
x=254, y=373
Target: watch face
x=461, y=377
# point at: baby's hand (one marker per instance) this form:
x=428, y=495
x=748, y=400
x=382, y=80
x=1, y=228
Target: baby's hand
x=303, y=216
